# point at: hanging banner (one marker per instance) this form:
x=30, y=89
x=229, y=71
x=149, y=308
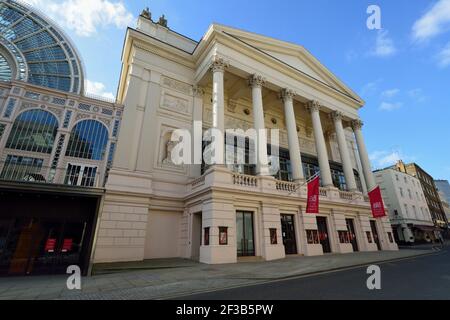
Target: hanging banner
x=312, y=205
x=376, y=203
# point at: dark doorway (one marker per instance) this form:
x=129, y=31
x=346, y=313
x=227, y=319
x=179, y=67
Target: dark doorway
x=376, y=238
x=323, y=234
x=45, y=233
x=352, y=232
x=245, y=234
x=288, y=231
x=196, y=235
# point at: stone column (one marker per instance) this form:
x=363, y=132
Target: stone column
x=325, y=171
x=218, y=105
x=343, y=150
x=195, y=168
x=365, y=162
x=287, y=96
x=256, y=82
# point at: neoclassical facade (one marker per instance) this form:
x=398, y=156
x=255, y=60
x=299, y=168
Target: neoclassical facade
x=233, y=79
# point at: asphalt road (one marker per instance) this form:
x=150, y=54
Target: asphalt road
x=426, y=277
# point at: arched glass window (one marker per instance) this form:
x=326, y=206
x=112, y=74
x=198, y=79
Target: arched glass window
x=88, y=140
x=33, y=130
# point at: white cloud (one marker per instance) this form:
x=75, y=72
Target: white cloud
x=390, y=93
x=370, y=88
x=435, y=21
x=417, y=95
x=389, y=106
x=98, y=89
x=444, y=56
x=382, y=159
x=84, y=17
x=384, y=45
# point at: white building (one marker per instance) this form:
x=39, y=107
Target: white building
x=407, y=206
x=234, y=79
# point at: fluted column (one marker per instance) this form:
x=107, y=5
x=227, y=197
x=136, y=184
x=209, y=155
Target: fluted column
x=363, y=155
x=256, y=82
x=343, y=151
x=325, y=171
x=218, y=104
x=291, y=126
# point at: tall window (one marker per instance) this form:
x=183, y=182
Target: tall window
x=88, y=140
x=33, y=130
x=22, y=169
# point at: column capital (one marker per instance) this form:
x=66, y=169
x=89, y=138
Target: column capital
x=314, y=105
x=357, y=124
x=287, y=94
x=256, y=81
x=218, y=64
x=198, y=91
x=336, y=115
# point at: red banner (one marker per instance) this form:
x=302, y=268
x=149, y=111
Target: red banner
x=376, y=203
x=312, y=205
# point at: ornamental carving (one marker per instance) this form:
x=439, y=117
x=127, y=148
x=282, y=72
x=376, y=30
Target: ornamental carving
x=232, y=104
x=336, y=115
x=314, y=105
x=176, y=104
x=198, y=91
x=357, y=124
x=218, y=64
x=287, y=95
x=256, y=81
x=177, y=85
x=57, y=111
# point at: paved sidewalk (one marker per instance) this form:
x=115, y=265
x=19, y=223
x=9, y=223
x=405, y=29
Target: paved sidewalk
x=167, y=282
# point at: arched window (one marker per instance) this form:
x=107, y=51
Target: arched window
x=88, y=140
x=34, y=130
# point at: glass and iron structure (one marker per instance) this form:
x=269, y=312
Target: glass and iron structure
x=50, y=132
x=34, y=50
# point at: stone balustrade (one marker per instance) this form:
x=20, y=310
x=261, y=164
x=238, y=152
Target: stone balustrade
x=245, y=180
x=286, y=186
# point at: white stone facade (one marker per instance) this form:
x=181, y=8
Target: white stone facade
x=155, y=209
x=406, y=203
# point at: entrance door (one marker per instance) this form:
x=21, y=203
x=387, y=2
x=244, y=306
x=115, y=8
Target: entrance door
x=376, y=238
x=244, y=234
x=288, y=231
x=351, y=230
x=323, y=234
x=196, y=235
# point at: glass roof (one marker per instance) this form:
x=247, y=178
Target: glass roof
x=43, y=54
x=5, y=69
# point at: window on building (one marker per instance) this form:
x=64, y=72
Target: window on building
x=391, y=238
x=415, y=211
x=369, y=236
x=80, y=175
x=88, y=140
x=344, y=236
x=19, y=168
x=396, y=177
x=409, y=193
x=406, y=210
x=401, y=192
x=33, y=130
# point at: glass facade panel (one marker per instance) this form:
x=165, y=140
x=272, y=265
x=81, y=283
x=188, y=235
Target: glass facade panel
x=5, y=69
x=88, y=140
x=20, y=168
x=33, y=130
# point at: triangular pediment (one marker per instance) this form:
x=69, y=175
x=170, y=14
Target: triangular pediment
x=293, y=55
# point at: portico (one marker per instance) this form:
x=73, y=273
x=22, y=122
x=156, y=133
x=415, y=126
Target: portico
x=233, y=79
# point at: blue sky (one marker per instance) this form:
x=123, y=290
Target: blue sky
x=401, y=71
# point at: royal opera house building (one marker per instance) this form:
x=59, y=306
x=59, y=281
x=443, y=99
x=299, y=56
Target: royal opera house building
x=87, y=181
